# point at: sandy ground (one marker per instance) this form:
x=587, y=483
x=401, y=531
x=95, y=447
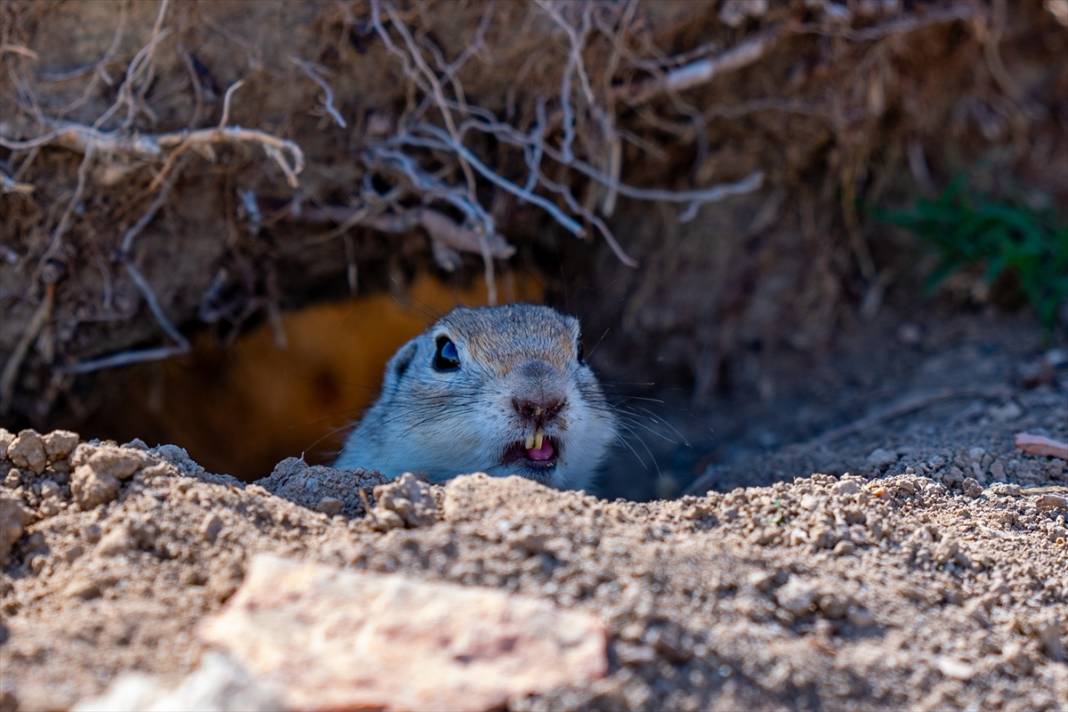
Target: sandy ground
x=824, y=592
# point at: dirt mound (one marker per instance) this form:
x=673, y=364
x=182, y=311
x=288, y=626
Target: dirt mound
x=824, y=592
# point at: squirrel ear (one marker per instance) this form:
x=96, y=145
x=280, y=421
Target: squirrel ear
x=400, y=362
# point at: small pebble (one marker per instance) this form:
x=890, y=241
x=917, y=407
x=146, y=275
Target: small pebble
x=881, y=457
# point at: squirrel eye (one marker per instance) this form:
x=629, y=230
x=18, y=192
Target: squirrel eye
x=446, y=357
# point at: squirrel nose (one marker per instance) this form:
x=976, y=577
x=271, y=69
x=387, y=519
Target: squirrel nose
x=540, y=410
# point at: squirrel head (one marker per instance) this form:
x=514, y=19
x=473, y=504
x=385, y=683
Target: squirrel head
x=502, y=390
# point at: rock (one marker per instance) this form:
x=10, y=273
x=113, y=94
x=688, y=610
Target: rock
x=1007, y=412
x=847, y=487
x=91, y=488
x=109, y=460
x=797, y=596
x=1049, y=636
x=27, y=451
x=971, y=487
x=953, y=476
x=98, y=471
x=13, y=478
x=954, y=669
x=329, y=505
x=881, y=457
x=1049, y=502
x=217, y=684
x=844, y=548
x=997, y=470
x=1039, y=445
x=337, y=639
x=12, y=520
x=59, y=444
x=178, y=457
x=408, y=498
x=6, y=439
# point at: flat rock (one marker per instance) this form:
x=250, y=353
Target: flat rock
x=333, y=639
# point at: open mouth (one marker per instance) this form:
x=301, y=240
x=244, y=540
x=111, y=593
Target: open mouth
x=538, y=452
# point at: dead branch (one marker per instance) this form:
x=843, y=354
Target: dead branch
x=1040, y=445
x=151, y=147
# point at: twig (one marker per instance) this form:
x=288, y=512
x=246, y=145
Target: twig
x=574, y=205
x=438, y=226
x=124, y=358
x=431, y=187
x=227, y=98
x=29, y=336
x=65, y=219
x=328, y=93
x=26, y=52
x=81, y=139
x=701, y=71
x=422, y=67
x=704, y=195
x=141, y=63
x=898, y=26
x=10, y=185
x=444, y=141
x=1039, y=445
x=181, y=344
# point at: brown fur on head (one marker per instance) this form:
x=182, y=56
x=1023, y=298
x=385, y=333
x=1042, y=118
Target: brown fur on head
x=533, y=332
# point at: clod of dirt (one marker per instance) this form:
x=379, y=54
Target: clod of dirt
x=321, y=488
x=98, y=471
x=12, y=520
x=27, y=450
x=59, y=444
x=405, y=502
x=6, y=438
x=334, y=639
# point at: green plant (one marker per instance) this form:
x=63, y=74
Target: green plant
x=1006, y=238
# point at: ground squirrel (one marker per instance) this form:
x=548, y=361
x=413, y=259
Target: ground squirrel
x=502, y=390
